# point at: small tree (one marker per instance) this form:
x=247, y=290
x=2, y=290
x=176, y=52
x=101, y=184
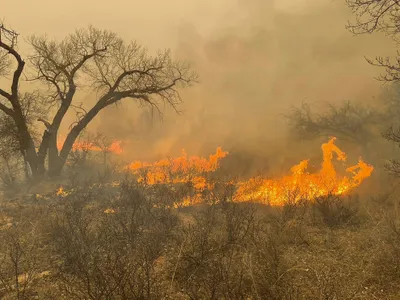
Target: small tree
x=351, y=122
x=381, y=16
x=374, y=15
x=90, y=60
x=378, y=16
x=106, y=146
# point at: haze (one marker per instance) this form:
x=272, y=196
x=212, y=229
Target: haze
x=255, y=60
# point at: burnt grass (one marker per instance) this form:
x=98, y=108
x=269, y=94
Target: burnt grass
x=126, y=242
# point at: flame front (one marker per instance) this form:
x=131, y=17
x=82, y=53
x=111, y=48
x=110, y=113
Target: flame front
x=194, y=170
x=304, y=185
x=299, y=185
x=178, y=170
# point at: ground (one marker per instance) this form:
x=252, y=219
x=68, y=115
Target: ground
x=125, y=241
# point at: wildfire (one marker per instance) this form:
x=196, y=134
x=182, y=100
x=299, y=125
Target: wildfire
x=61, y=192
x=195, y=171
x=114, y=147
x=304, y=185
x=178, y=170
x=299, y=185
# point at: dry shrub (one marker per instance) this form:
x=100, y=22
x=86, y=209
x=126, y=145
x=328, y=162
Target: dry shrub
x=111, y=254
x=387, y=259
x=19, y=260
x=336, y=211
x=126, y=242
x=227, y=253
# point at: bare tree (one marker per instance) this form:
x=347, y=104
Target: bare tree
x=10, y=103
x=374, y=15
x=351, y=122
x=391, y=97
x=107, y=146
x=92, y=60
x=381, y=16
x=5, y=63
x=378, y=16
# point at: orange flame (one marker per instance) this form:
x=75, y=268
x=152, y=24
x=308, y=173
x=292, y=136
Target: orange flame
x=299, y=185
x=115, y=146
x=61, y=192
x=178, y=170
x=304, y=185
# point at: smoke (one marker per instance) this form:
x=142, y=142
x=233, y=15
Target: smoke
x=255, y=58
x=258, y=61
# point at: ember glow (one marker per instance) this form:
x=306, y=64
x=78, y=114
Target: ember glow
x=300, y=184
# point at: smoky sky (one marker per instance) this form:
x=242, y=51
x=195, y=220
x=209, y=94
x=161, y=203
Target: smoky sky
x=255, y=60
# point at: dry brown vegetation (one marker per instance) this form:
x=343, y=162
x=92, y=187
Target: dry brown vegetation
x=124, y=242
x=95, y=239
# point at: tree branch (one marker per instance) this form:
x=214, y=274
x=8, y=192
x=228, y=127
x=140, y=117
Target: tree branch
x=5, y=94
x=6, y=110
x=85, y=59
x=374, y=15
x=17, y=72
x=131, y=72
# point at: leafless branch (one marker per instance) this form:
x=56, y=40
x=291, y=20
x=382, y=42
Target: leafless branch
x=8, y=36
x=391, y=67
x=8, y=40
x=98, y=59
x=375, y=15
x=349, y=121
x=46, y=123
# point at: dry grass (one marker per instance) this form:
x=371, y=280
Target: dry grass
x=114, y=243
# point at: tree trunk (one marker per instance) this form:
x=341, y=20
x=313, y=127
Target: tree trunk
x=53, y=157
x=35, y=168
x=57, y=159
x=62, y=155
x=42, y=151
x=27, y=147
x=56, y=166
